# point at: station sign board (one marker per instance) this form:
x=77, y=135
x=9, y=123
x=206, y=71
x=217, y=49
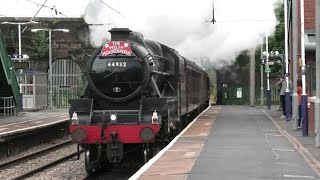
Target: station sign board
x=21, y=65
x=267, y=70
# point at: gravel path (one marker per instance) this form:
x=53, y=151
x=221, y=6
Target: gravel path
x=71, y=170
x=74, y=170
x=33, y=150
x=11, y=172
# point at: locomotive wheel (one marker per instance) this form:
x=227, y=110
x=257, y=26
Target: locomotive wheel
x=90, y=159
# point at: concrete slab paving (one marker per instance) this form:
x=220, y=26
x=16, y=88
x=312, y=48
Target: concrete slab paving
x=245, y=144
x=240, y=143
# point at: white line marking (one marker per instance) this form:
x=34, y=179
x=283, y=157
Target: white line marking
x=273, y=151
x=277, y=135
x=33, y=127
x=289, y=150
x=155, y=158
x=292, y=164
x=196, y=135
x=207, y=124
x=298, y=176
x=29, y=121
x=1, y=129
x=307, y=156
x=203, y=134
x=269, y=130
x=189, y=155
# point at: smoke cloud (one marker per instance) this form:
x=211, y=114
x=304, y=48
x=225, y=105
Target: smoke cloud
x=185, y=25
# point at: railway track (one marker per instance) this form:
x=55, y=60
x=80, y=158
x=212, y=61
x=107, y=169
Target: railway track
x=39, y=167
x=46, y=166
x=33, y=155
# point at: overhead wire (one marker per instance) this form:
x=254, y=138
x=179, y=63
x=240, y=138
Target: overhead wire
x=245, y=20
x=110, y=7
x=35, y=15
x=51, y=8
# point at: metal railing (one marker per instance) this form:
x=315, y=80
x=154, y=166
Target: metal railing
x=9, y=73
x=275, y=95
x=7, y=106
x=62, y=94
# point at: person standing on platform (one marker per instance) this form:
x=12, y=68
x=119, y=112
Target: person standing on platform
x=299, y=92
x=282, y=85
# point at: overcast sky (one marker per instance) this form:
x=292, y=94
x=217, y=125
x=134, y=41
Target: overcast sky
x=180, y=24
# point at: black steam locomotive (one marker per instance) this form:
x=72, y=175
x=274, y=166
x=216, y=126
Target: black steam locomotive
x=137, y=97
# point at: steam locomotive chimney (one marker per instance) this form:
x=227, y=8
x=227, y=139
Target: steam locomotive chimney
x=120, y=34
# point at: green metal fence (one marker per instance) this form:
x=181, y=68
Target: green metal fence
x=240, y=95
x=62, y=95
x=275, y=96
x=66, y=82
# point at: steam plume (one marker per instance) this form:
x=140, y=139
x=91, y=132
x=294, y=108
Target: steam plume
x=183, y=25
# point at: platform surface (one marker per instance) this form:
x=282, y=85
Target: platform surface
x=232, y=142
x=31, y=120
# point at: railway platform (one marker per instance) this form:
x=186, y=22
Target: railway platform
x=29, y=121
x=236, y=142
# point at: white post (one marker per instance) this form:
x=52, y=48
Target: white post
x=261, y=74
x=267, y=63
x=295, y=99
x=19, y=31
x=317, y=103
x=50, y=71
x=252, y=77
x=304, y=98
x=287, y=92
x=268, y=80
x=286, y=42
x=19, y=56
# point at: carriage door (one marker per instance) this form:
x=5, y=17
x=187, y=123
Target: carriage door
x=66, y=82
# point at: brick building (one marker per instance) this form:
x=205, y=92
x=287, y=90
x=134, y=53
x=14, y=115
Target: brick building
x=310, y=52
x=309, y=42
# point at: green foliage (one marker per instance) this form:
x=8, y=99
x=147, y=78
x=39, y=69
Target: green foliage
x=213, y=93
x=242, y=66
x=40, y=45
x=276, y=41
x=212, y=73
x=12, y=37
x=77, y=55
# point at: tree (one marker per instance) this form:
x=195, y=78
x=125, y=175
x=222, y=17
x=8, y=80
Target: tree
x=39, y=49
x=276, y=41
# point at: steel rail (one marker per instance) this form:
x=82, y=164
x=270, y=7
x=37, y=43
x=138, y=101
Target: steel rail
x=30, y=156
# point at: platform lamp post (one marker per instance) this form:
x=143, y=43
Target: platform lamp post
x=19, y=37
x=261, y=76
x=19, y=30
x=267, y=69
x=304, y=97
x=286, y=58
x=50, y=59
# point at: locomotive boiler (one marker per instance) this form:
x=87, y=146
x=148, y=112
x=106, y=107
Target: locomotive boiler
x=138, y=96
